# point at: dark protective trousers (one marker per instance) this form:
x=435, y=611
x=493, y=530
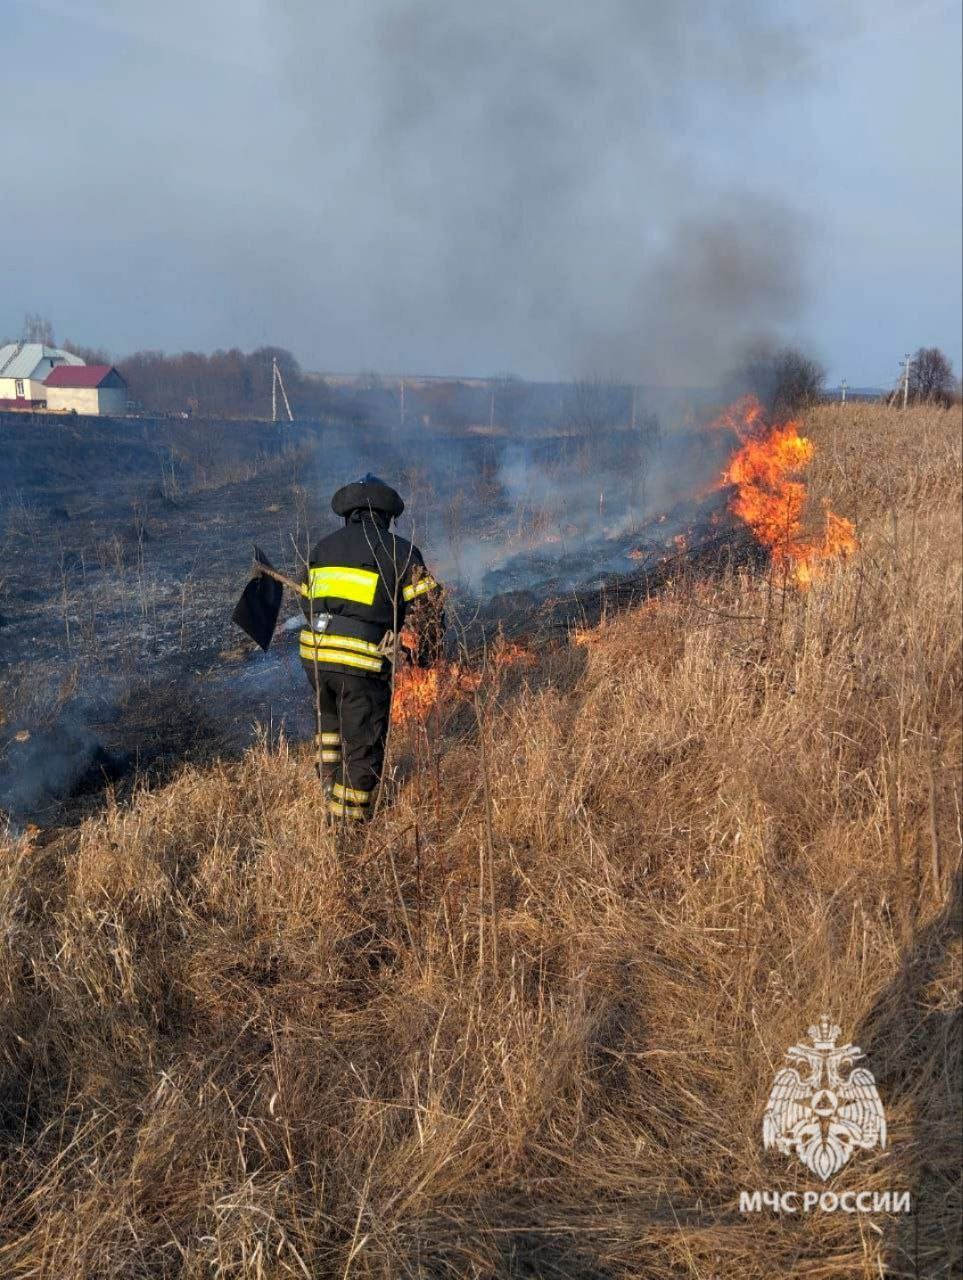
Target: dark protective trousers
x=354, y=715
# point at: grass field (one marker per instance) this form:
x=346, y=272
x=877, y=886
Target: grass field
x=527, y=1026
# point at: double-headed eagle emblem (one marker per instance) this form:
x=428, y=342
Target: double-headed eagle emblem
x=822, y=1107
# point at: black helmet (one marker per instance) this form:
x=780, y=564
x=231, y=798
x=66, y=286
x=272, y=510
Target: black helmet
x=367, y=494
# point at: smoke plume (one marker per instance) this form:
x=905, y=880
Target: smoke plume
x=522, y=183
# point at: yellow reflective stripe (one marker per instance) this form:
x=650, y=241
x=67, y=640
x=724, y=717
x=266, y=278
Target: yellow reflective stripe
x=328, y=739
x=328, y=639
x=344, y=583
x=330, y=757
x=346, y=810
x=348, y=642
x=348, y=793
x=342, y=657
x=418, y=589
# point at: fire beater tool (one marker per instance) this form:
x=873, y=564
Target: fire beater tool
x=256, y=613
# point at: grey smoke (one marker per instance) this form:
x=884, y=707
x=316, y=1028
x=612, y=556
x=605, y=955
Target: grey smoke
x=39, y=767
x=520, y=176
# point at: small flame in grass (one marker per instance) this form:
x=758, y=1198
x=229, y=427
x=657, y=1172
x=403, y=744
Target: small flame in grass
x=766, y=472
x=417, y=692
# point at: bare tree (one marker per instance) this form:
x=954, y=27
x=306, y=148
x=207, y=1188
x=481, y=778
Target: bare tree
x=785, y=379
x=509, y=399
x=931, y=376
x=89, y=355
x=37, y=328
x=594, y=405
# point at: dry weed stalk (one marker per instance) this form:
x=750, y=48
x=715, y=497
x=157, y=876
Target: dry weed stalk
x=234, y=1048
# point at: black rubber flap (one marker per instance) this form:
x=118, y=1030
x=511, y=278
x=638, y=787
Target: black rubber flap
x=256, y=613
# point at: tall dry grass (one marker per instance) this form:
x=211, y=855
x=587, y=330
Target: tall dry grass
x=528, y=1027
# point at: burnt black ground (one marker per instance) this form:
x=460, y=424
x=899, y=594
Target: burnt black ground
x=124, y=545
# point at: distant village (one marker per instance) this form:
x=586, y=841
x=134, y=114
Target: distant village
x=36, y=376
x=39, y=377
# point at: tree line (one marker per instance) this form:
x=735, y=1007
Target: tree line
x=230, y=384
x=237, y=384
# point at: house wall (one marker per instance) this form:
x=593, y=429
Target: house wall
x=90, y=400
x=112, y=400
x=79, y=399
x=32, y=389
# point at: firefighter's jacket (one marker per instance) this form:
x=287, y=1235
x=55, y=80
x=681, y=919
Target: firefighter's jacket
x=360, y=583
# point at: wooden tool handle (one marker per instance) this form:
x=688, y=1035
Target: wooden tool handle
x=268, y=572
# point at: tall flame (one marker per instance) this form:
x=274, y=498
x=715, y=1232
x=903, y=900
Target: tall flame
x=771, y=496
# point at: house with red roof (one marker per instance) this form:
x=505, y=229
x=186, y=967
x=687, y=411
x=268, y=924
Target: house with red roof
x=86, y=388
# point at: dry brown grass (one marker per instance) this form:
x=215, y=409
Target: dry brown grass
x=536, y=1040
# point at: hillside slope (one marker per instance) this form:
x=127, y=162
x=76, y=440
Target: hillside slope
x=527, y=1027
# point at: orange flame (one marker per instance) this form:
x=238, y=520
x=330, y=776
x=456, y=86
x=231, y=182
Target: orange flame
x=771, y=497
x=417, y=692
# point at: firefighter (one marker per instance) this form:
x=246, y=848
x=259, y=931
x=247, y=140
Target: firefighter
x=363, y=583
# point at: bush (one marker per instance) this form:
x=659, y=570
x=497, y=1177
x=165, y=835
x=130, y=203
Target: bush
x=784, y=378
x=931, y=378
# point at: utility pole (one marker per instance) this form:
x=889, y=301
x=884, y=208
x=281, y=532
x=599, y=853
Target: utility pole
x=908, y=360
x=491, y=411
x=402, y=402
x=842, y=387
x=278, y=381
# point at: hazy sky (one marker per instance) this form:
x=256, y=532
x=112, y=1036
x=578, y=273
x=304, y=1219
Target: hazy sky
x=632, y=187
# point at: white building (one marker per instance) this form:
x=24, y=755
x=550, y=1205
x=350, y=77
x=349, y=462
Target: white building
x=24, y=367
x=87, y=388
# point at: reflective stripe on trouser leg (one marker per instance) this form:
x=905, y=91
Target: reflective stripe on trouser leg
x=355, y=811
x=329, y=748
x=349, y=802
x=351, y=795
x=358, y=706
x=364, y=707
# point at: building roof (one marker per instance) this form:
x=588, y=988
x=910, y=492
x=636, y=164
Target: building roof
x=20, y=359
x=87, y=375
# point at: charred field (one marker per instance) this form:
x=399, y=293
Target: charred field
x=679, y=793
x=125, y=544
